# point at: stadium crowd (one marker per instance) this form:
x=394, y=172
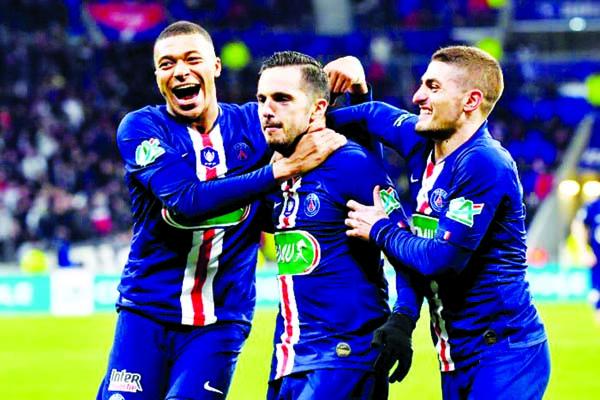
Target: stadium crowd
x=63, y=94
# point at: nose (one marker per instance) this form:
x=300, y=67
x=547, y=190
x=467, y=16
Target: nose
x=266, y=109
x=419, y=96
x=181, y=70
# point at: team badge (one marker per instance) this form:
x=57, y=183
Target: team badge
x=436, y=200
x=148, y=151
x=463, y=211
x=241, y=151
x=312, y=204
x=209, y=157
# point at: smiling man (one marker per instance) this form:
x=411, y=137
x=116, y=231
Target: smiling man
x=468, y=221
x=333, y=294
x=195, y=169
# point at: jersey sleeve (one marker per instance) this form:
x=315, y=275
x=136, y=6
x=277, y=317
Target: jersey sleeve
x=156, y=165
x=390, y=125
x=481, y=180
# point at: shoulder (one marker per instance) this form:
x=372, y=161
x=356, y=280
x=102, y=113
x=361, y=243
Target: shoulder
x=241, y=110
x=486, y=156
x=352, y=156
x=145, y=115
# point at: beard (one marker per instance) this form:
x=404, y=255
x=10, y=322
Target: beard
x=285, y=148
x=439, y=134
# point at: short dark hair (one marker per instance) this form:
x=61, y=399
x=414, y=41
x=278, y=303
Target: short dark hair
x=184, y=28
x=312, y=70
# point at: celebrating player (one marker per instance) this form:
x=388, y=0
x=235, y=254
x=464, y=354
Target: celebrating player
x=469, y=228
x=194, y=168
x=333, y=294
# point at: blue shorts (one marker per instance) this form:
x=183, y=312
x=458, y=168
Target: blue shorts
x=505, y=374
x=329, y=384
x=149, y=360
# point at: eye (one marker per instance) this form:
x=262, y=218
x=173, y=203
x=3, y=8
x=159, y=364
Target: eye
x=165, y=64
x=260, y=98
x=194, y=60
x=281, y=98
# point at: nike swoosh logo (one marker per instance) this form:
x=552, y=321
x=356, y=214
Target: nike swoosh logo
x=210, y=388
x=184, y=155
x=276, y=204
x=413, y=179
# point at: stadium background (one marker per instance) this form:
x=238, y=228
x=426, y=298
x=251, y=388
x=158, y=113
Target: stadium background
x=69, y=70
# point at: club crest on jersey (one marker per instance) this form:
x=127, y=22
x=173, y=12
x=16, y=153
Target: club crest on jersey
x=148, y=151
x=123, y=381
x=463, y=211
x=312, y=204
x=389, y=197
x=437, y=198
x=209, y=157
x=241, y=151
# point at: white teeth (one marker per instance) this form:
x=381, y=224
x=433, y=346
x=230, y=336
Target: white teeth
x=185, y=86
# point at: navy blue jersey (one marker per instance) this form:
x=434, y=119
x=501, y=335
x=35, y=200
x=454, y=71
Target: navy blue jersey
x=472, y=201
x=195, y=236
x=333, y=293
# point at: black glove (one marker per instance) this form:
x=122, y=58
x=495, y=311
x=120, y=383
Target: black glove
x=394, y=340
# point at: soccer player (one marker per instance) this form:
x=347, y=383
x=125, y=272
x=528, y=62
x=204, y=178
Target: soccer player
x=468, y=228
x=586, y=231
x=333, y=294
x=195, y=169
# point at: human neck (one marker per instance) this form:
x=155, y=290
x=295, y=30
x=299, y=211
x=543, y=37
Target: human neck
x=206, y=121
x=443, y=148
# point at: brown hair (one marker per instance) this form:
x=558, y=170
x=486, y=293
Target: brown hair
x=312, y=71
x=482, y=71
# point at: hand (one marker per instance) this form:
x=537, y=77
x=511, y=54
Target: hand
x=312, y=149
x=346, y=74
x=361, y=218
x=394, y=341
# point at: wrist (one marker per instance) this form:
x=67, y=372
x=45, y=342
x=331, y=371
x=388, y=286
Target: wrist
x=403, y=321
x=359, y=89
x=283, y=170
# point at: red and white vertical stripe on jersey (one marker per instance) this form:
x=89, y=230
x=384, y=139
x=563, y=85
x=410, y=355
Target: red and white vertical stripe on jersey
x=214, y=140
x=284, y=351
x=197, y=297
x=432, y=171
x=439, y=327
x=287, y=217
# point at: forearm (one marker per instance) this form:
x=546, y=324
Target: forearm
x=193, y=198
x=425, y=256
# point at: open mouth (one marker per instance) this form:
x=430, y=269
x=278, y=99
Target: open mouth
x=186, y=92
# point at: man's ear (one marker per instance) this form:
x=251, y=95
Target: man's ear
x=474, y=100
x=320, y=109
x=218, y=67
